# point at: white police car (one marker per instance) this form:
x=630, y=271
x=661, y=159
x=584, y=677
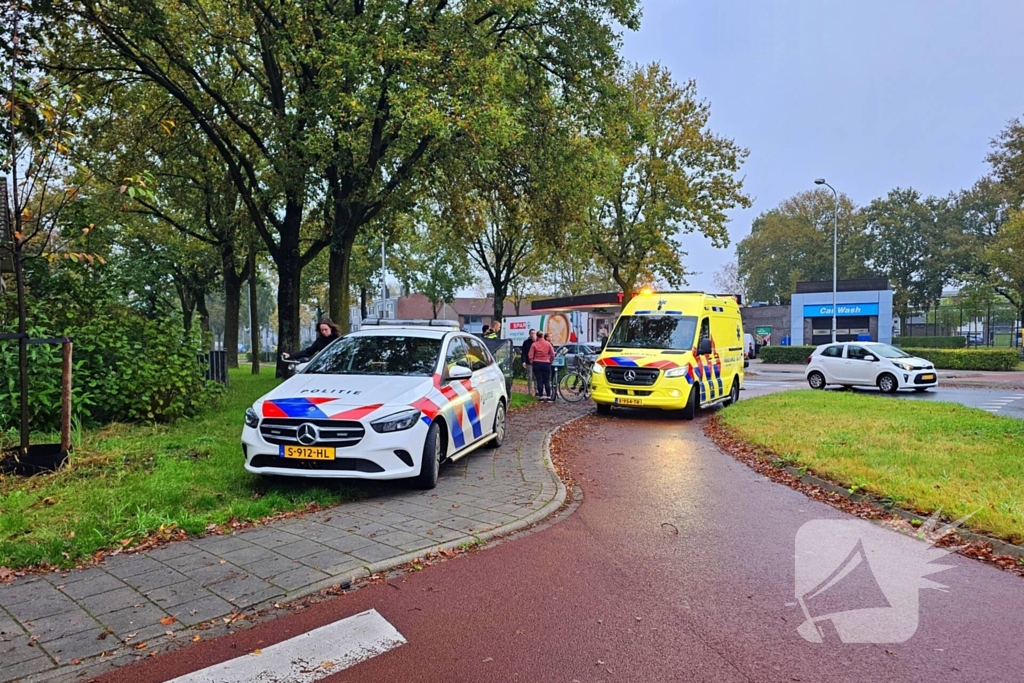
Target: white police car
x=392, y=401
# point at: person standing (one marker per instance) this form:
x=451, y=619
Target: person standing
x=542, y=355
x=327, y=332
x=494, y=332
x=530, y=384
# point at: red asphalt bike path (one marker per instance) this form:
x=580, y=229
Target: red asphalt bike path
x=611, y=592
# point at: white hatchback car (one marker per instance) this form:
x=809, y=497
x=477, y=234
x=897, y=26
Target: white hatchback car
x=869, y=364
x=392, y=401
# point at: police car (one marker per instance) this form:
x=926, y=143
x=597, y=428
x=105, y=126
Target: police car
x=391, y=401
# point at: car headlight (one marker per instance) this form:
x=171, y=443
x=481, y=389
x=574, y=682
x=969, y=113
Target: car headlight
x=251, y=418
x=905, y=366
x=597, y=369
x=676, y=372
x=396, y=422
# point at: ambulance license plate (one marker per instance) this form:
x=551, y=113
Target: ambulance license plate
x=630, y=401
x=308, y=452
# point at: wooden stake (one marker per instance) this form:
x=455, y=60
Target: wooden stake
x=65, y=397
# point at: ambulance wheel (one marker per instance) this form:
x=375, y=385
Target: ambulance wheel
x=430, y=464
x=734, y=393
x=690, y=411
x=604, y=409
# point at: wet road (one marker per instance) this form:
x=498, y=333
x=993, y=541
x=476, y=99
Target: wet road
x=677, y=566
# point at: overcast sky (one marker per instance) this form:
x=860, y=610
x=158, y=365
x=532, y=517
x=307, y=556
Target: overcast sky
x=872, y=94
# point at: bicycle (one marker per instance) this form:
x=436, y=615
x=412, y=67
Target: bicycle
x=575, y=386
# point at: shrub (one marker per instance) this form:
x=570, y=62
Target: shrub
x=931, y=342
x=126, y=367
x=791, y=355
x=969, y=359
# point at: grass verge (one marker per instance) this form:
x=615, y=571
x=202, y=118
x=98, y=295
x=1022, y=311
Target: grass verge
x=126, y=483
x=921, y=455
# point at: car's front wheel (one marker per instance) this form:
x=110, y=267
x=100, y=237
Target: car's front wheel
x=690, y=411
x=604, y=409
x=734, y=393
x=430, y=463
x=887, y=383
x=816, y=380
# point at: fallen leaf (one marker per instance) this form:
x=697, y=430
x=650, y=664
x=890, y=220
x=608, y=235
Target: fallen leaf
x=223, y=561
x=196, y=639
x=167, y=621
x=487, y=659
x=327, y=664
x=49, y=501
x=141, y=646
x=257, y=651
x=75, y=662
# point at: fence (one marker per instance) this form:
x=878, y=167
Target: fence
x=992, y=324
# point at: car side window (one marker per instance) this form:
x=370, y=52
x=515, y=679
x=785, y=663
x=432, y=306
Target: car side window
x=477, y=354
x=833, y=352
x=856, y=352
x=456, y=354
x=705, y=329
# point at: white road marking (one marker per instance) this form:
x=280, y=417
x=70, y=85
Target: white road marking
x=310, y=656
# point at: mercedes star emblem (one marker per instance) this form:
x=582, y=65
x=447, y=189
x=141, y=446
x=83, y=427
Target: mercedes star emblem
x=630, y=375
x=307, y=434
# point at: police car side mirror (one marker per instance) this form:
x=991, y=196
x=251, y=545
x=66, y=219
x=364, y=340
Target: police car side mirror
x=300, y=367
x=459, y=372
x=704, y=347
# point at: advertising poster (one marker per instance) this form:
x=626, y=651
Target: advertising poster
x=561, y=326
x=763, y=335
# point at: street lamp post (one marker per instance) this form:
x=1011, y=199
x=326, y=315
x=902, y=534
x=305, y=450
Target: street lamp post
x=835, y=250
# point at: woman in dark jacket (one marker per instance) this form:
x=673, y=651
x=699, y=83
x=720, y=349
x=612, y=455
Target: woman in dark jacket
x=327, y=332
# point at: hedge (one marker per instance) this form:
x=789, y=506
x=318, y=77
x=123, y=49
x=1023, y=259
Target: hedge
x=969, y=359
x=944, y=359
x=931, y=342
x=789, y=355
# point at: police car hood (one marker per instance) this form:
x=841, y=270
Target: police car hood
x=341, y=396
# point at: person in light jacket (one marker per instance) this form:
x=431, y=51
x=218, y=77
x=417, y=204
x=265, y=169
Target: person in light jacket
x=542, y=355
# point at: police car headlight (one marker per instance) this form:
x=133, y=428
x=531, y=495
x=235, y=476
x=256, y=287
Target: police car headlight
x=597, y=369
x=251, y=418
x=396, y=422
x=676, y=372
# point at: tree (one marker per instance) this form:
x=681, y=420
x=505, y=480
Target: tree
x=1007, y=258
x=971, y=220
x=662, y=173
x=792, y=242
x=1007, y=160
x=909, y=247
x=339, y=105
x=727, y=280
x=428, y=262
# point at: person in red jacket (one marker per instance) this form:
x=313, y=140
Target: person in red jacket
x=542, y=355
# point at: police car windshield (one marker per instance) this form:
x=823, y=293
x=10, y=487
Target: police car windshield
x=378, y=355
x=654, y=332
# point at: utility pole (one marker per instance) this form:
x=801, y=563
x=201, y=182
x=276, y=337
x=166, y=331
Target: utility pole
x=835, y=250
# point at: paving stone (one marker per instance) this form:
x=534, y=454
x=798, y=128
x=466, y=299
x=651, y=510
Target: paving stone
x=344, y=570
x=59, y=625
x=269, y=566
x=299, y=549
x=179, y=593
x=375, y=552
x=397, y=538
x=272, y=538
x=421, y=543
x=250, y=599
x=155, y=579
x=171, y=551
x=20, y=670
x=17, y=649
x=98, y=583
x=247, y=555
x=112, y=601
x=24, y=590
x=218, y=545
x=131, y=565
x=194, y=560
x=443, y=535
x=47, y=605
x=198, y=611
x=348, y=543
x=209, y=575
x=239, y=587
x=81, y=645
x=133, y=619
x=297, y=578
x=327, y=557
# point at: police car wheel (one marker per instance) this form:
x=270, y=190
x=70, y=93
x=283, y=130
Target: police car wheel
x=498, y=431
x=430, y=464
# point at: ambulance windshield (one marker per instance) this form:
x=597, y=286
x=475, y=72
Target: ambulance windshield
x=653, y=332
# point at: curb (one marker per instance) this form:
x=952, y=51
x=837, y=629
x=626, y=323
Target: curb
x=998, y=547
x=384, y=565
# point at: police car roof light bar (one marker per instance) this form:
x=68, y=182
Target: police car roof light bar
x=391, y=322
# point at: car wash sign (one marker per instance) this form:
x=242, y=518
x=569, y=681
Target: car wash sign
x=825, y=310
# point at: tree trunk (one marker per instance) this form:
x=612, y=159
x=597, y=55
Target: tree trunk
x=500, y=294
x=340, y=269
x=254, y=318
x=232, y=306
x=204, y=314
x=363, y=313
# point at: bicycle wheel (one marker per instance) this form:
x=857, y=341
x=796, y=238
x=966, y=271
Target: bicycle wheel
x=573, y=387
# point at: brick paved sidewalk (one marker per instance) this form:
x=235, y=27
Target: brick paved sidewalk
x=52, y=626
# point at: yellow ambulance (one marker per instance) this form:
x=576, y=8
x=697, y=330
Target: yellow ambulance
x=673, y=351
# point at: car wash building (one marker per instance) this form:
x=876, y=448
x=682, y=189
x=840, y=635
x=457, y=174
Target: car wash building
x=863, y=312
